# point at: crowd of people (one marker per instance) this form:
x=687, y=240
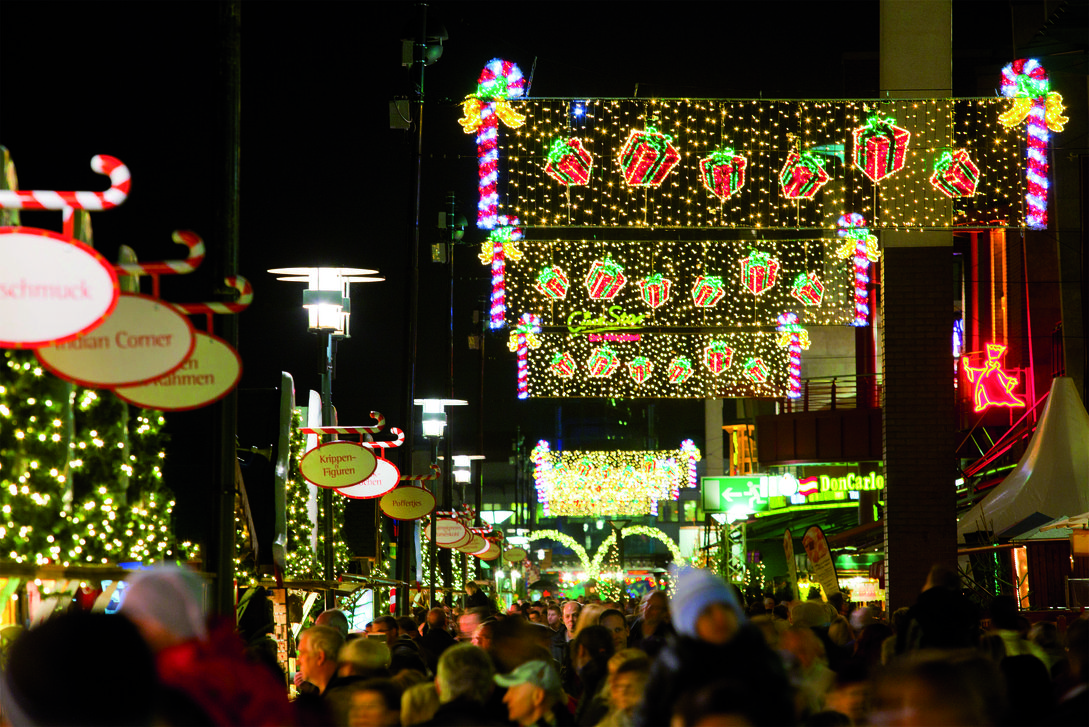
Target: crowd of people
x=706, y=656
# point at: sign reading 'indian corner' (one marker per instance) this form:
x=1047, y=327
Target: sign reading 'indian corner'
x=338, y=464
x=52, y=288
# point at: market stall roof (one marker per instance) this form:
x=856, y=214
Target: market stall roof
x=1052, y=478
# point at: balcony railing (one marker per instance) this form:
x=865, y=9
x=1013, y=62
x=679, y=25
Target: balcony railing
x=828, y=393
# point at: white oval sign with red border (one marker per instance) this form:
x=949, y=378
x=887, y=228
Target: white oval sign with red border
x=515, y=554
x=476, y=544
x=449, y=533
x=384, y=478
x=52, y=288
x=407, y=503
x=143, y=339
x=338, y=464
x=490, y=553
x=205, y=377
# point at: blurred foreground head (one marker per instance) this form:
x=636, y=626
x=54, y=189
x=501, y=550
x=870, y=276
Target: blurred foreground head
x=704, y=607
x=55, y=676
x=167, y=604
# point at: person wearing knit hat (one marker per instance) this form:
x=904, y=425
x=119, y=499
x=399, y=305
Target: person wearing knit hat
x=704, y=607
x=715, y=643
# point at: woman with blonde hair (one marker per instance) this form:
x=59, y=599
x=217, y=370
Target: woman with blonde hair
x=590, y=615
x=419, y=703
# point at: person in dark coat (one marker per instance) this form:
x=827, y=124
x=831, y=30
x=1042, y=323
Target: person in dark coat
x=715, y=643
x=476, y=598
x=436, y=639
x=464, y=681
x=650, y=631
x=590, y=652
x=942, y=617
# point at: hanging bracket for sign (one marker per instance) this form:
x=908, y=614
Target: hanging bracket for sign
x=209, y=308
x=188, y=238
x=379, y=425
x=120, y=181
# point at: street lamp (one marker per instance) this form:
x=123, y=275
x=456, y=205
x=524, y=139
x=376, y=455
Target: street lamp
x=433, y=425
x=328, y=306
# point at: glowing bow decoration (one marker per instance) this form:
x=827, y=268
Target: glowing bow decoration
x=860, y=245
x=502, y=243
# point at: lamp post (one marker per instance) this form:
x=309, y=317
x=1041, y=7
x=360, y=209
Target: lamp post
x=433, y=425
x=463, y=476
x=326, y=300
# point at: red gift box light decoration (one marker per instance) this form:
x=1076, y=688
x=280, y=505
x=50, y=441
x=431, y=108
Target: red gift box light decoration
x=605, y=279
x=640, y=368
x=802, y=175
x=880, y=147
x=723, y=173
x=552, y=281
x=568, y=162
x=955, y=174
x=808, y=288
x=717, y=356
x=562, y=364
x=756, y=370
x=708, y=290
x=680, y=370
x=647, y=158
x=654, y=289
x=603, y=362
x=758, y=271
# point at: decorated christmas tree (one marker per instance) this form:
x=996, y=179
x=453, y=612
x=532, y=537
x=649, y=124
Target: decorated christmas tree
x=80, y=473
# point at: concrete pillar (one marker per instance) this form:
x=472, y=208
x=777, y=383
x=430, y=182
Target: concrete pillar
x=712, y=432
x=917, y=300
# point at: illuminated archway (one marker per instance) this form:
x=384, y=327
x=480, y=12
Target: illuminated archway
x=565, y=539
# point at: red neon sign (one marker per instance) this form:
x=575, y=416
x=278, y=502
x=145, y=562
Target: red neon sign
x=994, y=387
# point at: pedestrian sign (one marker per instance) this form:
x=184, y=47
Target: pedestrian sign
x=735, y=495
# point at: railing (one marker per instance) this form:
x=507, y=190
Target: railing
x=828, y=393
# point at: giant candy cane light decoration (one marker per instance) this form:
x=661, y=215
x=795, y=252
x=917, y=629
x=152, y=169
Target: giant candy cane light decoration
x=790, y=337
x=1026, y=82
x=861, y=246
x=500, y=80
x=502, y=243
x=523, y=338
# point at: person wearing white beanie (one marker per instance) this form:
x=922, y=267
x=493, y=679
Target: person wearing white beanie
x=715, y=644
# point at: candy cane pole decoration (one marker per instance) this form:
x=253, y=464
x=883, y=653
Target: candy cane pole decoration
x=501, y=244
x=245, y=297
x=861, y=246
x=436, y=473
x=1026, y=81
x=788, y=324
x=120, y=181
x=168, y=267
x=523, y=338
x=387, y=445
x=500, y=80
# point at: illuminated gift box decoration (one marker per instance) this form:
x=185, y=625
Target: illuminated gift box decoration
x=654, y=289
x=723, y=173
x=568, y=162
x=608, y=483
x=880, y=147
x=717, y=357
x=603, y=362
x=758, y=271
x=708, y=290
x=605, y=279
x=552, y=281
x=756, y=370
x=562, y=364
x=680, y=369
x=647, y=158
x=802, y=175
x=955, y=174
x=808, y=288
x=640, y=369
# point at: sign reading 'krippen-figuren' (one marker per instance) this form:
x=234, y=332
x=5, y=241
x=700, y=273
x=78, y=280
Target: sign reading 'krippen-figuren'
x=52, y=288
x=143, y=339
x=338, y=464
x=205, y=377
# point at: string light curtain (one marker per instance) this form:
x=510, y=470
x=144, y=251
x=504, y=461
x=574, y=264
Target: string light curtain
x=684, y=163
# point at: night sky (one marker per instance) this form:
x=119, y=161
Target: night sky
x=324, y=180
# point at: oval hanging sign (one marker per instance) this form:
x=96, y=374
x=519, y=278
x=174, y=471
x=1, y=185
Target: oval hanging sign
x=338, y=464
x=449, y=533
x=52, y=288
x=490, y=553
x=385, y=478
x=142, y=340
x=515, y=554
x=407, y=503
x=205, y=377
x=475, y=545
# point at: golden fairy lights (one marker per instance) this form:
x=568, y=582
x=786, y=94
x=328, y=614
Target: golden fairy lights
x=764, y=132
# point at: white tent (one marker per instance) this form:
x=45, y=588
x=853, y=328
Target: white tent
x=1052, y=478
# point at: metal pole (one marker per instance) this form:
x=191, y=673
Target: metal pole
x=448, y=445
x=326, y=493
x=226, y=423
x=434, y=529
x=406, y=543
